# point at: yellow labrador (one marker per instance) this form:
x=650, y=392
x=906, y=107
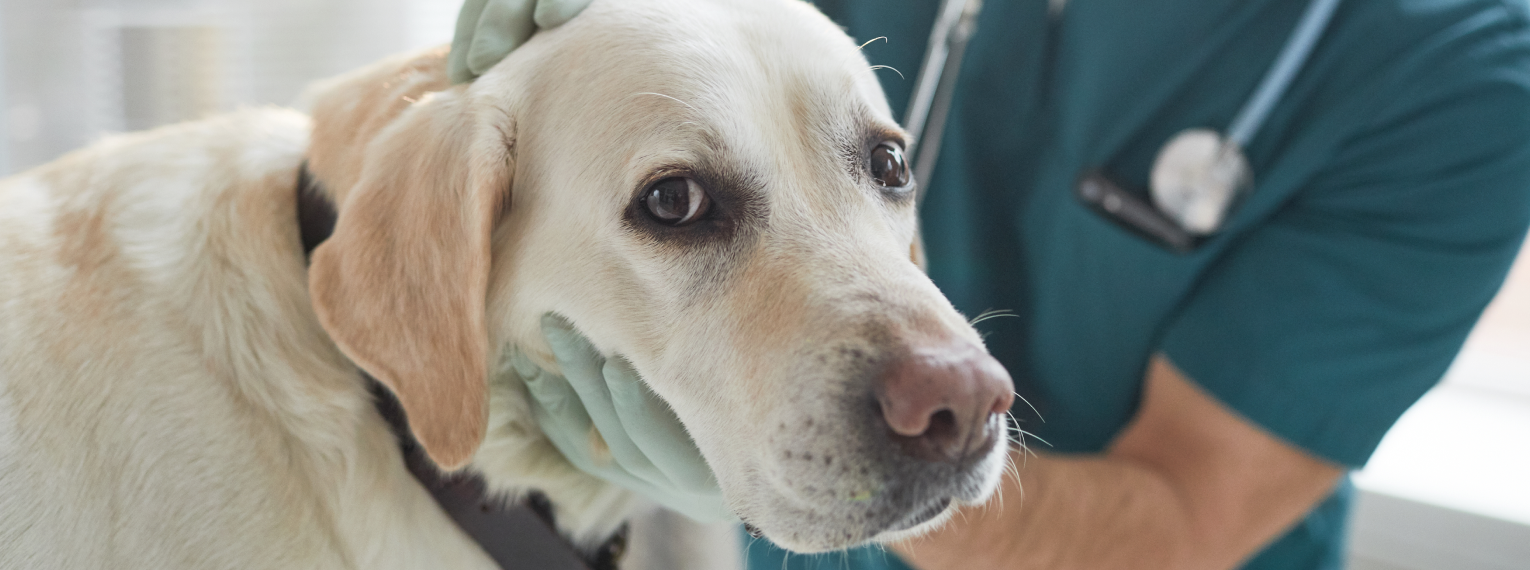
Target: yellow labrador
x=712, y=189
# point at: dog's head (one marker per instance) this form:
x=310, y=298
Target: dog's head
x=712, y=189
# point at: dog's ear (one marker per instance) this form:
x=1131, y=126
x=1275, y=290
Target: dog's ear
x=350, y=109
x=401, y=283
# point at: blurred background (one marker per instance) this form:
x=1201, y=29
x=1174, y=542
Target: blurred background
x=71, y=70
x=1449, y=489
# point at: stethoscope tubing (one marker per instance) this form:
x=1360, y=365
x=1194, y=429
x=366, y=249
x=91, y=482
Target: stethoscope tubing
x=1278, y=78
x=935, y=85
x=958, y=18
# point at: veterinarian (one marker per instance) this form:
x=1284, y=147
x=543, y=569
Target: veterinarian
x=1198, y=390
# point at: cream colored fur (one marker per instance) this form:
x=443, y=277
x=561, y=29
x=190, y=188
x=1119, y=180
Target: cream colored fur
x=169, y=400
x=171, y=396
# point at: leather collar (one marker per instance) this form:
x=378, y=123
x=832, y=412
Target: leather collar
x=519, y=535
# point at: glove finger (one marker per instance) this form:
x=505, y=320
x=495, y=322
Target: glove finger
x=467, y=22
x=554, y=13
x=569, y=428
x=583, y=366
x=577, y=358
x=558, y=411
x=571, y=437
x=656, y=430
x=549, y=390
x=503, y=26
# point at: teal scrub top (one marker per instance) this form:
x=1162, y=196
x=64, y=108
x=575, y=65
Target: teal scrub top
x=1392, y=191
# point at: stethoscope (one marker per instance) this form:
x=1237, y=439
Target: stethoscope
x=1197, y=178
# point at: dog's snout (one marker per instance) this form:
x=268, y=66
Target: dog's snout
x=939, y=403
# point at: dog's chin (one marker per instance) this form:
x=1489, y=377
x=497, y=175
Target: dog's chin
x=920, y=523
x=938, y=509
x=912, y=523
x=897, y=516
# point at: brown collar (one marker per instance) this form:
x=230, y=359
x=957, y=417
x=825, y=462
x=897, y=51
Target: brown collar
x=516, y=535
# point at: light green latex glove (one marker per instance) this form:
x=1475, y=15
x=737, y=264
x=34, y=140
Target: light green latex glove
x=649, y=451
x=488, y=30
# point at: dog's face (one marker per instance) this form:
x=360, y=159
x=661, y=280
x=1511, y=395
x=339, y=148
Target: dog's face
x=715, y=191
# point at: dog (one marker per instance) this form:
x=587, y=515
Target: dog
x=713, y=189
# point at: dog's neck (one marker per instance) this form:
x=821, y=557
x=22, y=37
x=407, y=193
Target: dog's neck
x=511, y=533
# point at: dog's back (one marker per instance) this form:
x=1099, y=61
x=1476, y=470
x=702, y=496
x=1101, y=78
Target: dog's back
x=154, y=325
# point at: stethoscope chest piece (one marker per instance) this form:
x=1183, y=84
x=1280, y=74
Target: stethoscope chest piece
x=1197, y=178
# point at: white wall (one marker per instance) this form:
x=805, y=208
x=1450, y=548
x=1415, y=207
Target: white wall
x=5, y=155
x=71, y=71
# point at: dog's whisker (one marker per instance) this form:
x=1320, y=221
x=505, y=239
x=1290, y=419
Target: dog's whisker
x=894, y=70
x=1014, y=471
x=991, y=314
x=868, y=42
x=1031, y=406
x=1013, y=425
x=1019, y=438
x=883, y=550
x=1037, y=438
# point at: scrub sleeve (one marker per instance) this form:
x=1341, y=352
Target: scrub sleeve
x=1331, y=318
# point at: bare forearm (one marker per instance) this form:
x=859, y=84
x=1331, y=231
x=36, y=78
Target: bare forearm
x=1073, y=513
x=1188, y=485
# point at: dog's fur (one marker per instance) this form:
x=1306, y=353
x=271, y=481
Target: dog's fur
x=176, y=390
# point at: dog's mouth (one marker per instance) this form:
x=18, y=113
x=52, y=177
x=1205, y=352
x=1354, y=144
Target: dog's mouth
x=923, y=515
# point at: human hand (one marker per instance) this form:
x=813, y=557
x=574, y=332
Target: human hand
x=488, y=30
x=604, y=401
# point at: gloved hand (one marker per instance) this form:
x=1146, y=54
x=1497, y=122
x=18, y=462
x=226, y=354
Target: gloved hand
x=488, y=30
x=650, y=452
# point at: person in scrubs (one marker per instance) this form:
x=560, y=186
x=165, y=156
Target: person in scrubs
x=1199, y=408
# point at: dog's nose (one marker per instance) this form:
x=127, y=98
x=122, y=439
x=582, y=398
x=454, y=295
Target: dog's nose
x=939, y=403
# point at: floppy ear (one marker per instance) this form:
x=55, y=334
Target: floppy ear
x=350, y=109
x=401, y=283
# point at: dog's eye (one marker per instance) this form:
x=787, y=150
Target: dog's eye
x=677, y=201
x=888, y=167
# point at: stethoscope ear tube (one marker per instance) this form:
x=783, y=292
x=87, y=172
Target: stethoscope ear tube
x=1309, y=29
x=935, y=85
